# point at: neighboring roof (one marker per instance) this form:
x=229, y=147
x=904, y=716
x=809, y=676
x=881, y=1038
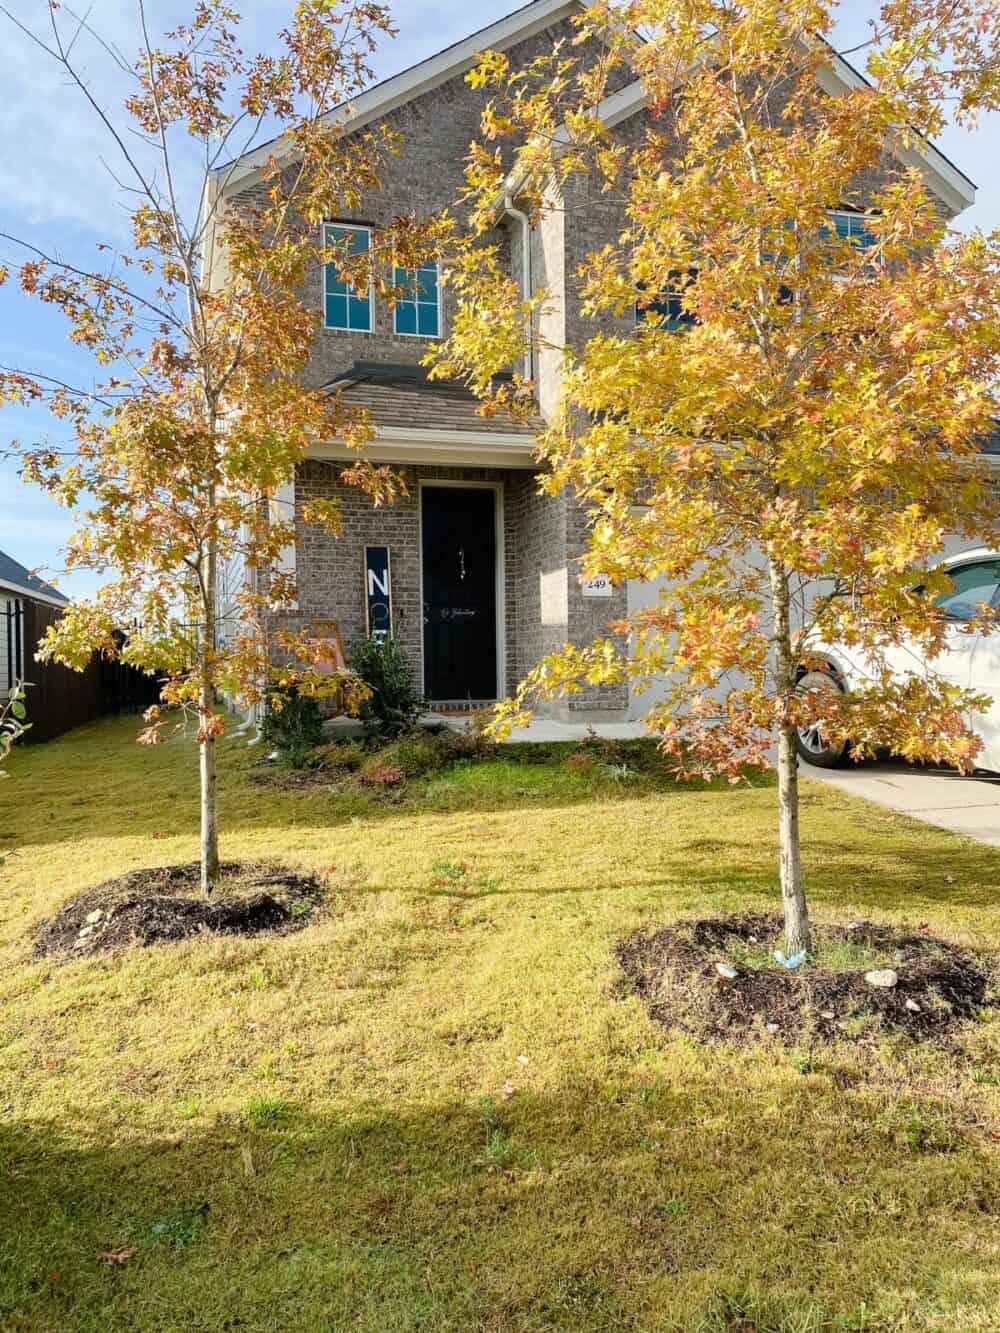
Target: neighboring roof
x=386, y=95
x=991, y=442
x=15, y=578
x=403, y=399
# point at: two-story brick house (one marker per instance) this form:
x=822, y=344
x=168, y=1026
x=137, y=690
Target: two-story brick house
x=482, y=568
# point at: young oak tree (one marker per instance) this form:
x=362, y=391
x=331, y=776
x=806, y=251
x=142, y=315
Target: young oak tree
x=794, y=421
x=201, y=413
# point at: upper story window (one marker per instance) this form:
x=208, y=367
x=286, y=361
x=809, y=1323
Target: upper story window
x=343, y=308
x=667, y=310
x=852, y=226
x=418, y=309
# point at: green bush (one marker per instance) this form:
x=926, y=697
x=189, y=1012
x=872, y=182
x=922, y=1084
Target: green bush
x=419, y=752
x=339, y=756
x=416, y=753
x=293, y=725
x=395, y=702
x=468, y=744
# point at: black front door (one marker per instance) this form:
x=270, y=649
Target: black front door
x=460, y=594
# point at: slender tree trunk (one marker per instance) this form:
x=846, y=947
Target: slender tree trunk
x=206, y=705
x=798, y=936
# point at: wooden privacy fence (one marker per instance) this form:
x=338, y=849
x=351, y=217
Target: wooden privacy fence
x=58, y=698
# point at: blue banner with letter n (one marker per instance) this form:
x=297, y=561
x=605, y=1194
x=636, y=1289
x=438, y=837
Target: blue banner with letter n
x=378, y=592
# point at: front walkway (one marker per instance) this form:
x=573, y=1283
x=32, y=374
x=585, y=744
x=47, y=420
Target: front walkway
x=539, y=729
x=542, y=729
x=967, y=805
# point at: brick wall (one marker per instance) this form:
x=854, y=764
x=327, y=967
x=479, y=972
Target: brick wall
x=436, y=130
x=330, y=568
x=542, y=605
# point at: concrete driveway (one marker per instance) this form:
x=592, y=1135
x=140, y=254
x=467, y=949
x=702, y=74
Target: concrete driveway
x=969, y=805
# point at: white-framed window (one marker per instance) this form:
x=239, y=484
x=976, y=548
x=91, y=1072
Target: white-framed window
x=418, y=307
x=851, y=225
x=343, y=308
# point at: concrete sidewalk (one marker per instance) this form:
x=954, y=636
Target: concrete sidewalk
x=968, y=805
x=543, y=729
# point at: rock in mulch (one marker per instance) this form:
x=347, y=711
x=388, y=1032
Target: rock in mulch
x=886, y=977
x=677, y=973
x=164, y=903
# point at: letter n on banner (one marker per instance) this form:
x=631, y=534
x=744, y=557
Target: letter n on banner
x=378, y=592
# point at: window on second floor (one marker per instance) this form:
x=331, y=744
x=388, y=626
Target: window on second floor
x=667, y=310
x=343, y=308
x=418, y=309
x=849, y=225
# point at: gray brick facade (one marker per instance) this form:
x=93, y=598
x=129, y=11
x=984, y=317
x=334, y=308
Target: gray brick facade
x=543, y=605
x=540, y=608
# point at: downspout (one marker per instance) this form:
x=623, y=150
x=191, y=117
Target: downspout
x=511, y=211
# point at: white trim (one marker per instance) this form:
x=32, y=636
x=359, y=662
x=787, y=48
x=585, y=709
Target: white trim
x=352, y=226
x=527, y=287
x=449, y=448
x=441, y=435
x=281, y=508
x=427, y=337
x=498, y=489
x=413, y=82
x=945, y=179
x=32, y=596
x=942, y=177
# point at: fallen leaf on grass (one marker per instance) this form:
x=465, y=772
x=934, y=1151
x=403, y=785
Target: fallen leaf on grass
x=119, y=1256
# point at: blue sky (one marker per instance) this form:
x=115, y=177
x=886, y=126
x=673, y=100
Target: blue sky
x=55, y=191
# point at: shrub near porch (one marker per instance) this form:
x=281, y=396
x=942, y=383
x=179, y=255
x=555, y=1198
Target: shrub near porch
x=429, y=1110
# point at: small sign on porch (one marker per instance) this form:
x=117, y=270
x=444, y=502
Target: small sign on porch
x=378, y=592
x=599, y=586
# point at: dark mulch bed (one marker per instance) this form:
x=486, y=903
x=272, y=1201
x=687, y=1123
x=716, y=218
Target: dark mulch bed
x=673, y=971
x=164, y=903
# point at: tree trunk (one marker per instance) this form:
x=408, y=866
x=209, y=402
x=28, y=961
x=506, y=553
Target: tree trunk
x=798, y=936
x=793, y=897
x=207, y=755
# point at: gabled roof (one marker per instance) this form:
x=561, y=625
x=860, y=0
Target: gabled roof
x=950, y=184
x=942, y=176
x=956, y=190
x=385, y=96
x=15, y=578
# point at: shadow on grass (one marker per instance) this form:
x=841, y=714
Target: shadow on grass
x=659, y=1203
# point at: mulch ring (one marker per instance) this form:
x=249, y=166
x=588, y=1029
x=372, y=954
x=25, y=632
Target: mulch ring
x=674, y=971
x=164, y=903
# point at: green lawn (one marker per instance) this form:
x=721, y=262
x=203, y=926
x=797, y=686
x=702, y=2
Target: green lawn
x=429, y=1111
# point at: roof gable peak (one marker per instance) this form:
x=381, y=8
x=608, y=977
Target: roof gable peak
x=398, y=89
